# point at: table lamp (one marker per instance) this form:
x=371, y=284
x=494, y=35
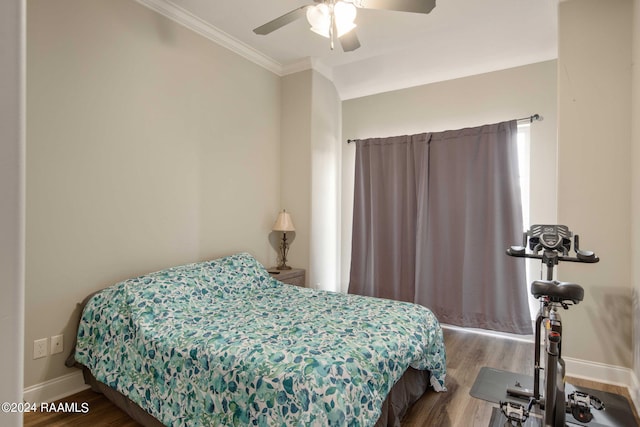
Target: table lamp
x=284, y=224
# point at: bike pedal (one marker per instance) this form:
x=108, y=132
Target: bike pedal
x=580, y=404
x=514, y=411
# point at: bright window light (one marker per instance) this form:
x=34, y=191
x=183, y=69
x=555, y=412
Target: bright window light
x=524, y=147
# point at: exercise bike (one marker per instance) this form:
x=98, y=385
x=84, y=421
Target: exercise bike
x=554, y=241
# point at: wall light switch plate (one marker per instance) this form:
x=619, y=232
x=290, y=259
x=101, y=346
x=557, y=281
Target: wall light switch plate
x=40, y=348
x=56, y=344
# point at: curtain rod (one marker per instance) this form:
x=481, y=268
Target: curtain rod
x=533, y=118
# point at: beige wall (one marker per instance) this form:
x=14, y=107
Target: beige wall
x=326, y=148
x=594, y=174
x=296, y=159
x=311, y=114
x=471, y=101
x=12, y=206
x=147, y=146
x=635, y=197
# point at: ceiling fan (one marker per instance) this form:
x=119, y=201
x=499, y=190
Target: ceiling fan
x=335, y=18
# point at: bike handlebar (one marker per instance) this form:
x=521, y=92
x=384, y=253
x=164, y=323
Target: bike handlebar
x=582, y=256
x=554, y=241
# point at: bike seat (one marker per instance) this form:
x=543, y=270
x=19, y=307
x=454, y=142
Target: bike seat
x=557, y=291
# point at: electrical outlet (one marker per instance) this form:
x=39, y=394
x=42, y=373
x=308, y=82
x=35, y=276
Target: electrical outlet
x=40, y=348
x=56, y=344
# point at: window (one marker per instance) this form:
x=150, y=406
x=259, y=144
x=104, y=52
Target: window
x=523, y=142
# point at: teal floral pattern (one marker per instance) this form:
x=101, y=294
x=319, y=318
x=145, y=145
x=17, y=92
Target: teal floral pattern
x=223, y=343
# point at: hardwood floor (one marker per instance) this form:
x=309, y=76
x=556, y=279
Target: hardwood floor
x=101, y=413
x=466, y=354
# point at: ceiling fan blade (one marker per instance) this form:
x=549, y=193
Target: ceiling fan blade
x=281, y=21
x=350, y=41
x=415, y=6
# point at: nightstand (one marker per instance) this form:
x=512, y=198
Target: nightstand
x=295, y=276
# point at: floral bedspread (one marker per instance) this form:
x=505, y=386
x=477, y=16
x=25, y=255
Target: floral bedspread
x=223, y=343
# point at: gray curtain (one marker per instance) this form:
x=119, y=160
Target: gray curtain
x=383, y=255
x=433, y=216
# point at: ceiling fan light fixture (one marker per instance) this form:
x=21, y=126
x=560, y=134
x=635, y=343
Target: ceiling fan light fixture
x=345, y=15
x=319, y=17
x=335, y=19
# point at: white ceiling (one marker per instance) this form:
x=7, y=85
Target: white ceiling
x=458, y=38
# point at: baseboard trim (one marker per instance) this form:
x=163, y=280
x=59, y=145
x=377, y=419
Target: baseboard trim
x=495, y=334
x=600, y=372
x=56, y=388
x=634, y=391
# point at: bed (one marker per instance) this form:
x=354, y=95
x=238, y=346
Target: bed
x=223, y=343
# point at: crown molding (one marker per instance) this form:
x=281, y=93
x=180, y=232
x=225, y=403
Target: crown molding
x=322, y=69
x=308, y=64
x=192, y=22
x=302, y=65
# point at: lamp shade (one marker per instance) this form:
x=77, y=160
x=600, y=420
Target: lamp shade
x=345, y=15
x=319, y=17
x=284, y=222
